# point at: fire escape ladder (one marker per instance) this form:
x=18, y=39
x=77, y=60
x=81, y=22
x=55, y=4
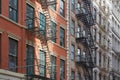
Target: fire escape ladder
x=86, y=17
x=44, y=39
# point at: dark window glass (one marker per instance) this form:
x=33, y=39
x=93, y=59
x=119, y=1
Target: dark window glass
x=62, y=37
x=99, y=38
x=73, y=75
x=43, y=24
x=53, y=31
x=95, y=14
x=42, y=63
x=95, y=75
x=62, y=69
x=100, y=19
x=13, y=10
x=30, y=60
x=73, y=5
x=13, y=55
x=100, y=58
x=72, y=52
x=30, y=17
x=79, y=76
x=73, y=27
x=62, y=7
x=53, y=67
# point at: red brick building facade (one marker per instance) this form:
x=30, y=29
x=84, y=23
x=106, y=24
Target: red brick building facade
x=21, y=50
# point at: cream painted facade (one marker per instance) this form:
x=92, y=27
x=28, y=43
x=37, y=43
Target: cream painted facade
x=102, y=37
x=115, y=72
x=102, y=33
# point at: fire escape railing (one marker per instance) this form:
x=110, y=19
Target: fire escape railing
x=38, y=33
x=84, y=14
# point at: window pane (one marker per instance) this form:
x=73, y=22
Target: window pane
x=53, y=67
x=13, y=54
x=62, y=69
x=62, y=37
x=53, y=31
x=42, y=63
x=13, y=10
x=43, y=24
x=62, y=4
x=73, y=5
x=72, y=27
x=73, y=75
x=30, y=16
x=72, y=52
x=30, y=60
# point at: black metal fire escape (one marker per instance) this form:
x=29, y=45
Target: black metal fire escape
x=38, y=33
x=85, y=37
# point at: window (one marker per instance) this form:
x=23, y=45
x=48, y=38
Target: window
x=78, y=51
x=30, y=60
x=72, y=52
x=95, y=55
x=94, y=34
x=53, y=31
x=78, y=31
x=42, y=63
x=100, y=58
x=53, y=67
x=62, y=69
x=13, y=55
x=62, y=8
x=95, y=75
x=73, y=5
x=95, y=14
x=30, y=17
x=100, y=19
x=54, y=5
x=100, y=76
x=62, y=37
x=43, y=24
x=99, y=38
x=13, y=10
x=73, y=27
x=79, y=7
x=72, y=75
x=104, y=61
x=79, y=76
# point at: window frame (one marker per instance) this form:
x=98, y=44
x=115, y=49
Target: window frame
x=72, y=52
x=43, y=65
x=62, y=8
x=53, y=31
x=72, y=75
x=31, y=18
x=62, y=69
x=72, y=27
x=15, y=9
x=73, y=5
x=30, y=53
x=53, y=65
x=43, y=24
x=62, y=37
x=14, y=56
